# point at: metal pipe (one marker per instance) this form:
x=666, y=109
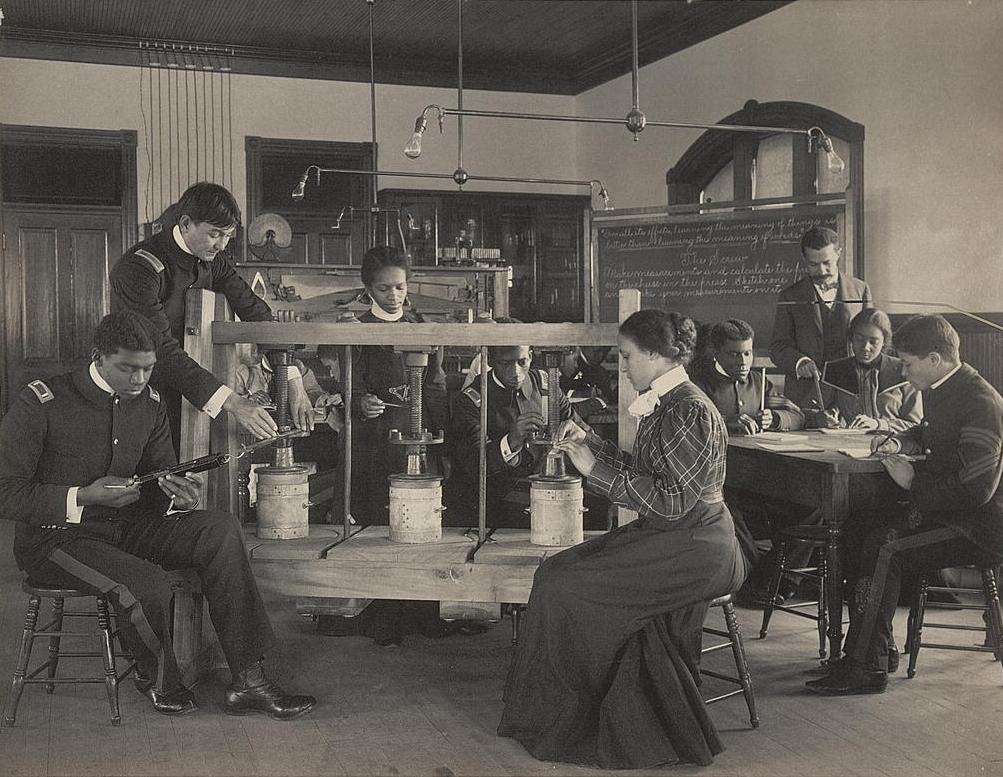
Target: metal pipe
x=459, y=84
x=373, y=226
x=635, y=92
x=482, y=467
x=346, y=390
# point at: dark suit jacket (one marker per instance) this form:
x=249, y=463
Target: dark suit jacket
x=797, y=328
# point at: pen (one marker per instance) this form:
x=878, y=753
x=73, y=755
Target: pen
x=886, y=438
x=762, y=393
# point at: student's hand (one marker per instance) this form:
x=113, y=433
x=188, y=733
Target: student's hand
x=579, y=453
x=746, y=424
x=109, y=491
x=900, y=469
x=251, y=416
x=829, y=419
x=185, y=491
x=569, y=430
x=300, y=406
x=864, y=422
x=328, y=400
x=261, y=398
x=372, y=406
x=524, y=427
x=885, y=445
x=807, y=368
x=765, y=419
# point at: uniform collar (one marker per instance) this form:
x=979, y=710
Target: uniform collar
x=944, y=380
x=180, y=241
x=646, y=402
x=382, y=315
x=724, y=373
x=521, y=390
x=100, y=382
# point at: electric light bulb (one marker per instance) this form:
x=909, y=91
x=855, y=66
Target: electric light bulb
x=413, y=148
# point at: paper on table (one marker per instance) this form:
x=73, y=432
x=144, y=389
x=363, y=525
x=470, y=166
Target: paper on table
x=856, y=453
x=843, y=431
x=795, y=447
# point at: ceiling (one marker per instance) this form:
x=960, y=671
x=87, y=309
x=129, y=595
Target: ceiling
x=553, y=46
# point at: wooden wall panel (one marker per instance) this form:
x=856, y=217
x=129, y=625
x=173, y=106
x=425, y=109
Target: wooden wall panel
x=89, y=263
x=40, y=276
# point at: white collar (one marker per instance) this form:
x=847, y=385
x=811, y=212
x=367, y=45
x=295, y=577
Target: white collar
x=501, y=385
x=943, y=380
x=100, y=382
x=382, y=315
x=645, y=403
x=176, y=233
x=721, y=370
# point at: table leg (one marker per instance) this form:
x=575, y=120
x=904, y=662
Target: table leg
x=836, y=509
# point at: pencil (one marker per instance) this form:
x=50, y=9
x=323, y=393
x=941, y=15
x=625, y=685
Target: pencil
x=887, y=437
x=762, y=393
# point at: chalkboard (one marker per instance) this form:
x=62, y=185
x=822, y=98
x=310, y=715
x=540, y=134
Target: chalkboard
x=708, y=266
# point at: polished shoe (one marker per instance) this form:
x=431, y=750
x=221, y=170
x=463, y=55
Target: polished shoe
x=826, y=667
x=893, y=660
x=849, y=680
x=254, y=692
x=179, y=701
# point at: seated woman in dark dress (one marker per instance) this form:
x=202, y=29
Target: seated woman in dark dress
x=604, y=672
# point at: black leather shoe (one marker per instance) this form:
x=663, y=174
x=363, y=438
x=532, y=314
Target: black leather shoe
x=850, y=680
x=826, y=667
x=254, y=692
x=893, y=660
x=179, y=701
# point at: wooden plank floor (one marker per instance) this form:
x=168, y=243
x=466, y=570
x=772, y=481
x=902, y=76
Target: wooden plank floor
x=431, y=707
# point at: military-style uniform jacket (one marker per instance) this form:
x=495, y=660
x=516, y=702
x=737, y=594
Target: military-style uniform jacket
x=68, y=432
x=878, y=390
x=504, y=407
x=152, y=278
x=733, y=398
x=961, y=435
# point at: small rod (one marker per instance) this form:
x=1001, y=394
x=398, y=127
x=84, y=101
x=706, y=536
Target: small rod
x=633, y=69
x=610, y=120
x=459, y=83
x=406, y=174
x=482, y=467
x=372, y=117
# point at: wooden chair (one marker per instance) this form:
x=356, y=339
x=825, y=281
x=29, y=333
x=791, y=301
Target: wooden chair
x=992, y=627
x=106, y=632
x=817, y=538
x=734, y=637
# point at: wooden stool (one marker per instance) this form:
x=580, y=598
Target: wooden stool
x=734, y=636
x=54, y=631
x=817, y=538
x=992, y=616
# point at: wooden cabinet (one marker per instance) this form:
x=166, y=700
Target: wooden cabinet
x=543, y=239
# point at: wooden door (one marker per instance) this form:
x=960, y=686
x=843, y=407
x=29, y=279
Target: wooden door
x=55, y=286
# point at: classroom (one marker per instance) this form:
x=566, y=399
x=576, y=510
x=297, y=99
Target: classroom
x=468, y=387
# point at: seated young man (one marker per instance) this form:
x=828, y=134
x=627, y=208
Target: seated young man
x=515, y=413
x=738, y=392
x=955, y=513
x=70, y=448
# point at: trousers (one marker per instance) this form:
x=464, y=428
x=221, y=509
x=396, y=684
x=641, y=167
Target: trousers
x=128, y=562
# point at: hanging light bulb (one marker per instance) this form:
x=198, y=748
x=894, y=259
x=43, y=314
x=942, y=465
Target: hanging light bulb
x=823, y=142
x=413, y=148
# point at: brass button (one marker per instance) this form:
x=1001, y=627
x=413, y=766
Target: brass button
x=924, y=422
x=115, y=441
x=927, y=452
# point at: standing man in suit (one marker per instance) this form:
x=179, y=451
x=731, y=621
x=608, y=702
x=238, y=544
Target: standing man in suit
x=814, y=313
x=153, y=278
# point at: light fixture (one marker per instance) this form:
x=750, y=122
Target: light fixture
x=824, y=142
x=635, y=121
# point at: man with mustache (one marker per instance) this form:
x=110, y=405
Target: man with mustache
x=813, y=315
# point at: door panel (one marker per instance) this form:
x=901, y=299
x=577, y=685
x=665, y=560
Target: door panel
x=55, y=277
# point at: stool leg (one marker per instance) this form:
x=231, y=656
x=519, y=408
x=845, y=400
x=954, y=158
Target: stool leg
x=738, y=649
x=516, y=614
x=23, y=656
x=774, y=589
x=57, y=625
x=916, y=638
x=823, y=608
x=108, y=656
x=994, y=611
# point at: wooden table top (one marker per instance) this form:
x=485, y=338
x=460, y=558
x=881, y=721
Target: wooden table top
x=827, y=449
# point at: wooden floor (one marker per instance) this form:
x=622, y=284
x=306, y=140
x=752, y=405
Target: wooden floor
x=431, y=707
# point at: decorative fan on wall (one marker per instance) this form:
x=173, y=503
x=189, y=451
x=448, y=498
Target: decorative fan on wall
x=269, y=237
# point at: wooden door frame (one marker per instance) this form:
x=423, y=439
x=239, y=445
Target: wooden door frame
x=124, y=140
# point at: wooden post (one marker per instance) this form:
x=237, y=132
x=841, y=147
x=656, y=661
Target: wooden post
x=346, y=393
x=630, y=302
x=482, y=469
x=223, y=429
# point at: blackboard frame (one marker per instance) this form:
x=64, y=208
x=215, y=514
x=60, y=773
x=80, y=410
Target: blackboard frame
x=706, y=213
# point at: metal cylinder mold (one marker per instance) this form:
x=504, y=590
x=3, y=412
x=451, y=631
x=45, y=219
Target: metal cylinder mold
x=415, y=509
x=555, y=511
x=283, y=503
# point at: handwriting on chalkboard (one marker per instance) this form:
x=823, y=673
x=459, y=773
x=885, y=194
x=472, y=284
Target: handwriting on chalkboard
x=707, y=264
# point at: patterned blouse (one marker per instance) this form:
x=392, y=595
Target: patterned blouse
x=678, y=460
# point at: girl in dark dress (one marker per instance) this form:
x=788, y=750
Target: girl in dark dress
x=606, y=666
x=380, y=399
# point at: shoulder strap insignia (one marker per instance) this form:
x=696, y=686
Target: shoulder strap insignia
x=43, y=392
x=474, y=395
x=154, y=394
x=544, y=380
x=153, y=261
